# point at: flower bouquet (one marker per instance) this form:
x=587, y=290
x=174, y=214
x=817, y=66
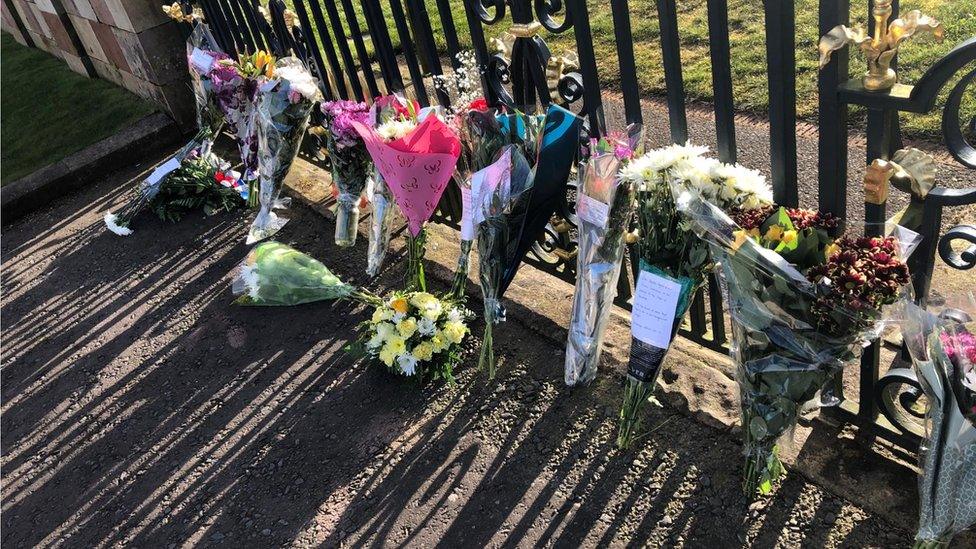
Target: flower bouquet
x=499, y=188
x=673, y=261
x=350, y=163
x=393, y=116
x=203, y=58
x=416, y=334
x=416, y=166
x=604, y=209
x=199, y=183
x=236, y=85
x=943, y=351
x=284, y=105
x=481, y=138
x=553, y=150
x=276, y=274
x=802, y=302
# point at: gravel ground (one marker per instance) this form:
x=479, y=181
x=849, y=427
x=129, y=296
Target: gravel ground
x=140, y=407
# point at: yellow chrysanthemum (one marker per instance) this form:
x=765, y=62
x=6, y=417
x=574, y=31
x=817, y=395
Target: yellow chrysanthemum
x=831, y=249
x=438, y=343
x=454, y=332
x=423, y=351
x=387, y=356
x=407, y=327
x=396, y=345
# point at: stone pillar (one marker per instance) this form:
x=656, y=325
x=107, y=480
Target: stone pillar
x=129, y=42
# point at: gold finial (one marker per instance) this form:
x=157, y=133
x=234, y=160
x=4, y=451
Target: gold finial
x=882, y=47
x=175, y=12
x=525, y=30
x=909, y=170
x=556, y=67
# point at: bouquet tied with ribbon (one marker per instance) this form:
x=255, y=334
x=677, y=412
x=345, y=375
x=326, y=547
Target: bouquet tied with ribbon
x=673, y=261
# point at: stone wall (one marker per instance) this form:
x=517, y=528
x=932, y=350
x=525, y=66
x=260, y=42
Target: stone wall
x=129, y=42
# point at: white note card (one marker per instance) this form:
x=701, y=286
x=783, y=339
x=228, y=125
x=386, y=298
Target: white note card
x=467, y=220
x=201, y=61
x=477, y=215
x=162, y=171
x=654, y=309
x=592, y=210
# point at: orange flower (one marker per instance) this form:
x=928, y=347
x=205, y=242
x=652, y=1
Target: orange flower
x=399, y=305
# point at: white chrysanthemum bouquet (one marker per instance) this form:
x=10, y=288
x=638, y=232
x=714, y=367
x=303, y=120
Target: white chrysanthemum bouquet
x=416, y=334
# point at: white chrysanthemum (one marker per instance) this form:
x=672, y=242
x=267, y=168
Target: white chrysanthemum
x=112, y=222
x=455, y=315
x=407, y=363
x=299, y=80
x=395, y=128
x=251, y=281
x=426, y=327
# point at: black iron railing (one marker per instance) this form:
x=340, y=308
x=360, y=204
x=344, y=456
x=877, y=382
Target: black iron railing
x=527, y=73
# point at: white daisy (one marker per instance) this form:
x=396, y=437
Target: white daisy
x=112, y=222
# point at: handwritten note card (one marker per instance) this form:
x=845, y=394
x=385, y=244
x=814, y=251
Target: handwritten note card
x=654, y=309
x=162, y=171
x=592, y=210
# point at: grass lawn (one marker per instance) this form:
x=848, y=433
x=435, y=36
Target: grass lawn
x=48, y=112
x=747, y=36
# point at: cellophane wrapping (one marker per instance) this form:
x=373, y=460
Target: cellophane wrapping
x=381, y=224
x=502, y=185
x=943, y=351
x=782, y=360
x=604, y=208
x=283, y=112
x=277, y=274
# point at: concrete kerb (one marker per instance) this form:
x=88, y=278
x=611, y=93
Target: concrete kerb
x=155, y=131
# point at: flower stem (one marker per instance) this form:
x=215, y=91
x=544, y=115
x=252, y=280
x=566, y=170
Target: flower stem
x=416, y=281
x=461, y=273
x=635, y=395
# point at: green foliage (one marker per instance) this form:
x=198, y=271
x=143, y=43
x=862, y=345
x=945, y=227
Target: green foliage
x=193, y=187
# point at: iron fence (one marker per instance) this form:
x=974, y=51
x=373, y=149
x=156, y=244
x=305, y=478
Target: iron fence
x=527, y=72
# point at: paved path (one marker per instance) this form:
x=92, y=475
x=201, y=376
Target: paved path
x=140, y=407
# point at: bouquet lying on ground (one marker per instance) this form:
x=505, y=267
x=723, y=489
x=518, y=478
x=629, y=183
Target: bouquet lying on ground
x=393, y=116
x=416, y=162
x=284, y=105
x=481, y=138
x=604, y=209
x=673, y=260
x=416, y=333
x=802, y=303
x=411, y=333
x=943, y=350
x=514, y=198
x=203, y=58
x=200, y=183
x=350, y=163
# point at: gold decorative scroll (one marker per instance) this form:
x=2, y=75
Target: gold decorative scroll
x=525, y=30
x=880, y=49
x=175, y=12
x=291, y=19
x=557, y=66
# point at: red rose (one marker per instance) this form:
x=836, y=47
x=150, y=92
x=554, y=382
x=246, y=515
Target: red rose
x=480, y=104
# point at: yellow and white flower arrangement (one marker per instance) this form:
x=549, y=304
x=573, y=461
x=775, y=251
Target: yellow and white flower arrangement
x=416, y=334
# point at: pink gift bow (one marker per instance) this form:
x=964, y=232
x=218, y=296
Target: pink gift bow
x=416, y=167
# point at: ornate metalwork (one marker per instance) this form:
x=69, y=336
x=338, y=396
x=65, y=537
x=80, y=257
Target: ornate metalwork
x=964, y=259
x=955, y=138
x=881, y=46
x=900, y=398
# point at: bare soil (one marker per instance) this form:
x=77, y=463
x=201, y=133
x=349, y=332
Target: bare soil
x=140, y=407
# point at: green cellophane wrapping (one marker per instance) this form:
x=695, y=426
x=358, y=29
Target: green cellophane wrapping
x=277, y=274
